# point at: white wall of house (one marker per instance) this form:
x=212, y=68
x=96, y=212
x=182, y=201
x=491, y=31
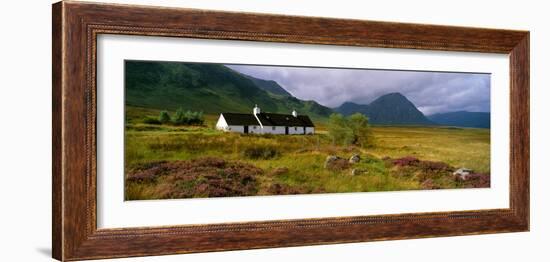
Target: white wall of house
x=295, y=130
x=255, y=129
x=236, y=129
x=277, y=130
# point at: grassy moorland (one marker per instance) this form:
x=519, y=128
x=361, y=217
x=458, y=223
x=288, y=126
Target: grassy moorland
x=166, y=161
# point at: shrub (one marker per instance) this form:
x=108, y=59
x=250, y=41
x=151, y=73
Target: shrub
x=283, y=189
x=146, y=173
x=203, y=177
x=151, y=121
x=476, y=180
x=261, y=152
x=164, y=117
x=406, y=161
x=188, y=117
x=433, y=166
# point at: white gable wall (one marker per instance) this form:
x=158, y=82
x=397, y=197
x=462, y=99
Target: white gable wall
x=221, y=124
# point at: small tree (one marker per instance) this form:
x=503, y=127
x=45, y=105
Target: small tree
x=179, y=118
x=196, y=118
x=164, y=117
x=188, y=117
x=353, y=130
x=359, y=125
x=338, y=130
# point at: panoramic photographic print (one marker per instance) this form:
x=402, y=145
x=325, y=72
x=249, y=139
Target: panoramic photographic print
x=202, y=130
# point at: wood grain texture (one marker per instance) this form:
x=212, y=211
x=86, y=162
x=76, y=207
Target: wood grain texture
x=519, y=129
x=76, y=26
x=57, y=198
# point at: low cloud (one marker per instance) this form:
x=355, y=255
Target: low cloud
x=431, y=92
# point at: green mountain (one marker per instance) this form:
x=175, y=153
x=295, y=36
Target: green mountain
x=389, y=109
x=349, y=108
x=463, y=119
x=211, y=88
x=269, y=86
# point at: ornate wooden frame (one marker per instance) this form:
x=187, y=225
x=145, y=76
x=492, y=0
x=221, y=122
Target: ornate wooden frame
x=76, y=26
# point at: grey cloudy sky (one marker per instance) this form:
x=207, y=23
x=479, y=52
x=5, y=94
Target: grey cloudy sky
x=431, y=92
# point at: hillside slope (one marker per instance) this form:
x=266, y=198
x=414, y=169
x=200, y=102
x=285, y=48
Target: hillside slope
x=211, y=88
x=269, y=86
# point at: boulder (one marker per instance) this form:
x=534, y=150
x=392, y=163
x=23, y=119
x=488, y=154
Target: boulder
x=355, y=158
x=462, y=173
x=330, y=159
x=336, y=163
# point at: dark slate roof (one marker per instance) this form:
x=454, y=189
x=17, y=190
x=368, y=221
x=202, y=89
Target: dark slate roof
x=270, y=119
x=236, y=119
x=306, y=120
x=267, y=119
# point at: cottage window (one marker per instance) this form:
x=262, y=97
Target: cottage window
x=254, y=127
x=272, y=128
x=295, y=128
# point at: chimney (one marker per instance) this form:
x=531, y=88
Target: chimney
x=294, y=113
x=256, y=110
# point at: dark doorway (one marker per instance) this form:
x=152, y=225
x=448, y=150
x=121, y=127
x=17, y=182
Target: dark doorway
x=246, y=129
x=286, y=130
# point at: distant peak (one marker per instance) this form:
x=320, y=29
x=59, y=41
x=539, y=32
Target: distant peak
x=395, y=94
x=394, y=97
x=349, y=103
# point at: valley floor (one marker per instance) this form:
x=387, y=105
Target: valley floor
x=163, y=161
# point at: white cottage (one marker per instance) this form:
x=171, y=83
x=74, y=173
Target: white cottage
x=265, y=123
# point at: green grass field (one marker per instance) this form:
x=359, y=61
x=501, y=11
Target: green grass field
x=164, y=161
